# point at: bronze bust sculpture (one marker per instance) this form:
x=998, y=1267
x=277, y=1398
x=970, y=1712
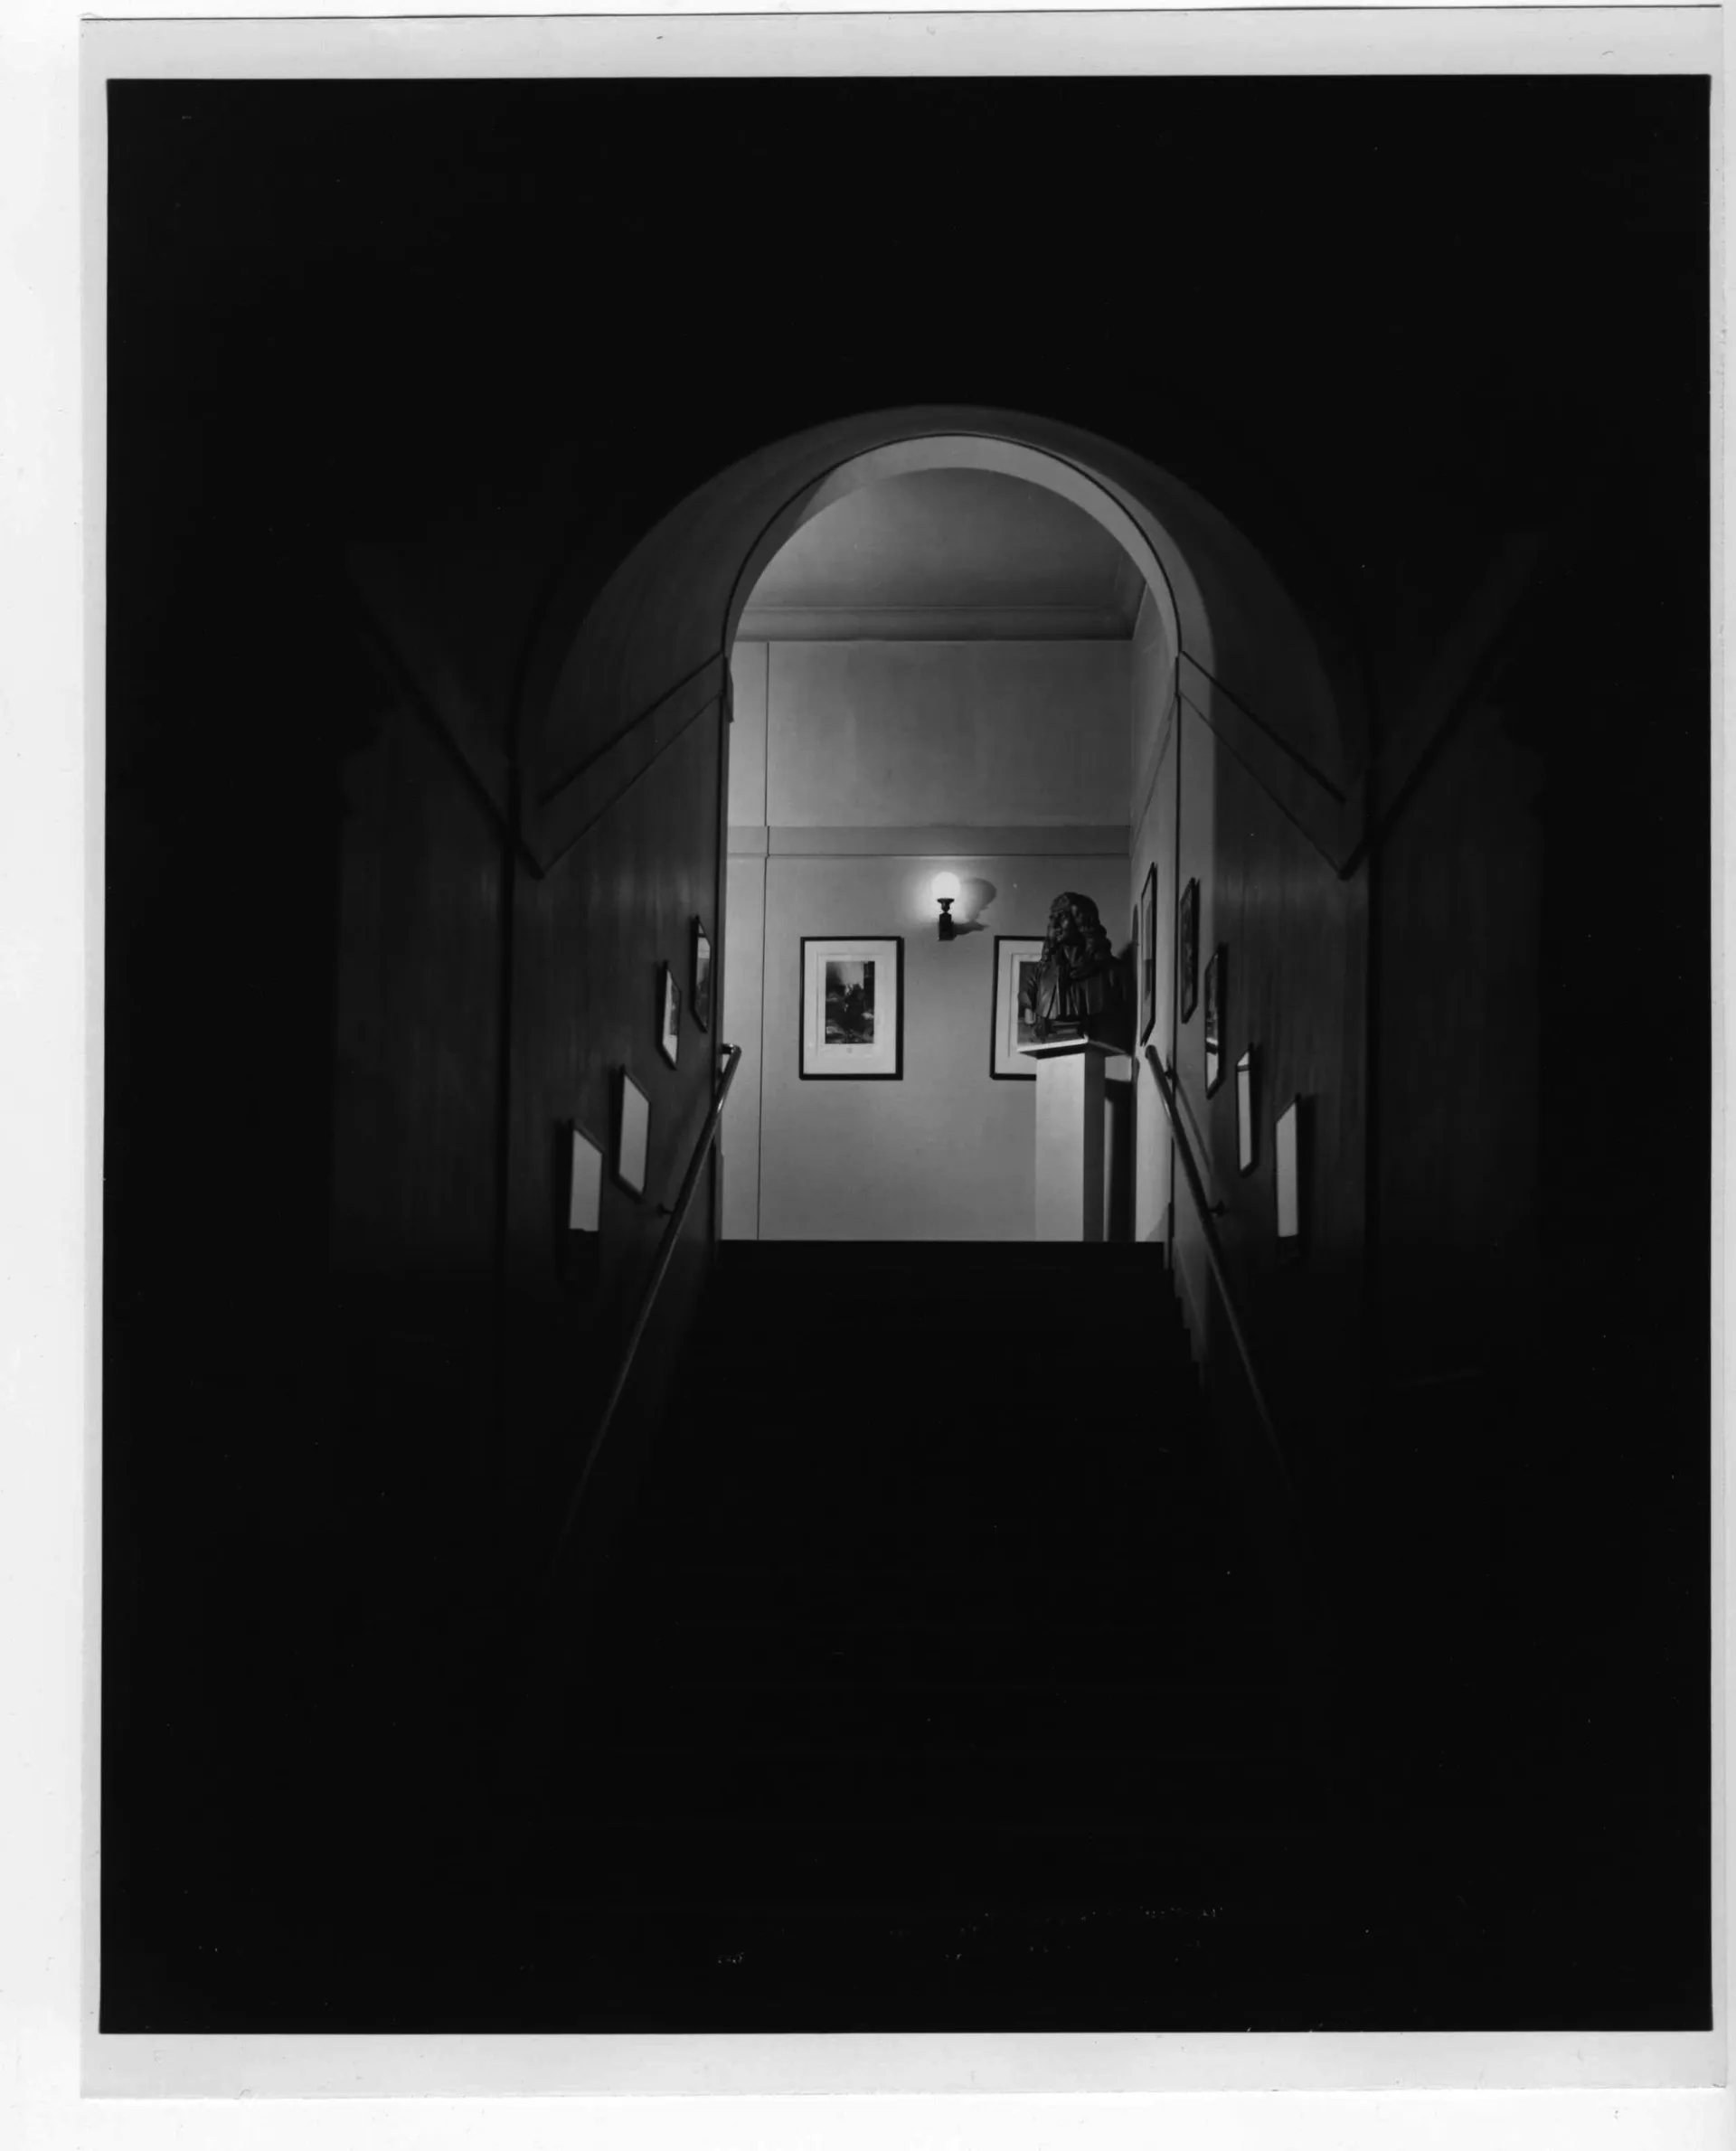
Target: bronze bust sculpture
x=1078, y=991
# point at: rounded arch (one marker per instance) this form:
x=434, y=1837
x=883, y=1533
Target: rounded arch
x=963, y=451
x=656, y=630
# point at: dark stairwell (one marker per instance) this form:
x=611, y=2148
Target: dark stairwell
x=934, y=1684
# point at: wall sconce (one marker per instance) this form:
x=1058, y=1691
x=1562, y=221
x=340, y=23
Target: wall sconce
x=946, y=895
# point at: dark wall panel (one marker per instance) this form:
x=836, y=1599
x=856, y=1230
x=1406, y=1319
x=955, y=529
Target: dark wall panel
x=591, y=940
x=1295, y=939
x=1457, y=987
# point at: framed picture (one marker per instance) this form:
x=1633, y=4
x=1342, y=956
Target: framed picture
x=578, y=1252
x=1016, y=958
x=1215, y=1020
x=1286, y=1150
x=584, y=1183
x=1245, y=1157
x=1145, y=944
x=632, y=1133
x=1187, y=933
x=669, y=1018
x=853, y=1008
x=700, y=986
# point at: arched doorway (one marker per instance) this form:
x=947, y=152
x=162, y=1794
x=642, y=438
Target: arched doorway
x=625, y=659
x=617, y=679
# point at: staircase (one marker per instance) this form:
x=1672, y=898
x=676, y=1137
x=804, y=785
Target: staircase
x=934, y=1686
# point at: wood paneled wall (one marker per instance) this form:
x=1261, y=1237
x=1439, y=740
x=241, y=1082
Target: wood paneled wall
x=1294, y=933
x=347, y=1386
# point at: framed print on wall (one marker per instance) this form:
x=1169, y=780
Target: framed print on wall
x=1147, y=948
x=632, y=1133
x=1286, y=1151
x=1215, y=1020
x=1246, y=1159
x=1187, y=933
x=669, y=1018
x=1017, y=961
x=853, y=1008
x=584, y=1183
x=700, y=985
x=578, y=1253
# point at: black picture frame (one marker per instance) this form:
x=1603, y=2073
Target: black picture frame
x=1211, y=1030
x=632, y=1133
x=669, y=1016
x=584, y=1167
x=1147, y=948
x=1289, y=1165
x=822, y=1060
x=1187, y=939
x=1006, y=1064
x=1246, y=1112
x=699, y=985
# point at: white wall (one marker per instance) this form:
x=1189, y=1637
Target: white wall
x=987, y=733
x=744, y=919
x=857, y=771
x=948, y=1153
x=1153, y=739
x=1195, y=753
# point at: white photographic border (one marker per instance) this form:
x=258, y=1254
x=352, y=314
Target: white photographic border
x=1544, y=2091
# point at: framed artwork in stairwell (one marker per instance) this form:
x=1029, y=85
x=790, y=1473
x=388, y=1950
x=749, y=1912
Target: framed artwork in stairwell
x=1246, y=1149
x=1213, y=1025
x=580, y=1239
x=1187, y=945
x=632, y=1133
x=852, y=1009
x=699, y=986
x=1287, y=1158
x=1146, y=951
x=669, y=1018
x=1017, y=959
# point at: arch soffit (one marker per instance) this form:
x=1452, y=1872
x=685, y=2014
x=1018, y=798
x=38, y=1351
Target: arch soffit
x=1232, y=607
x=982, y=451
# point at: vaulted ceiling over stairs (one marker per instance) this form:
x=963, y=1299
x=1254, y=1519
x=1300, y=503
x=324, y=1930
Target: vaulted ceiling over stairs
x=947, y=555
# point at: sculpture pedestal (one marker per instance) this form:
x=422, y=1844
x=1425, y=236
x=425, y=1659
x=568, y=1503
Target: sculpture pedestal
x=1070, y=1137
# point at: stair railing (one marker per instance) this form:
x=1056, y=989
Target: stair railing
x=642, y=1321
x=1208, y=1213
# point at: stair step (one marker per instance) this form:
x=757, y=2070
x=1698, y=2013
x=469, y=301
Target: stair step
x=887, y=1657
x=991, y=1645
x=1203, y=1719
x=856, y=1796
x=1155, y=1961
x=1278, y=1864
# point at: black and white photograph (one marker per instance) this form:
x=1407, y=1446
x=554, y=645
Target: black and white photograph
x=632, y=1133
x=584, y=1185
x=1029, y=1556
x=1247, y=1129
x=852, y=1008
x=1286, y=1153
x=669, y=1016
x=700, y=991
x=849, y=989
x=1211, y=1030
x=1018, y=959
x=1187, y=930
x=1145, y=949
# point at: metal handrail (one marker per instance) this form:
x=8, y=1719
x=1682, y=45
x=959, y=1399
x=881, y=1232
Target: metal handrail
x=641, y=1321
x=1214, y=1256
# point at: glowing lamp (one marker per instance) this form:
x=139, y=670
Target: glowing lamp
x=946, y=895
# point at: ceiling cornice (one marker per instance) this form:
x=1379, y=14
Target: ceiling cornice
x=935, y=623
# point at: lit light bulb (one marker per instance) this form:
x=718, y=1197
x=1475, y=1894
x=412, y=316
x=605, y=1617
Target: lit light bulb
x=946, y=888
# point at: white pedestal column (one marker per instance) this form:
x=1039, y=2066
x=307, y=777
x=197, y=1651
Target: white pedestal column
x=1070, y=1138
